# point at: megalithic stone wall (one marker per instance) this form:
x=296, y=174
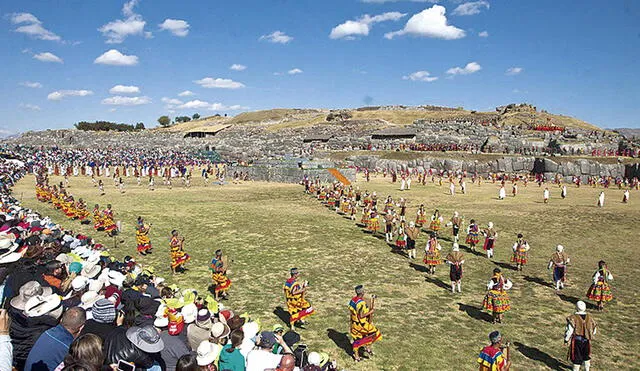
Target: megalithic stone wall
x=516, y=164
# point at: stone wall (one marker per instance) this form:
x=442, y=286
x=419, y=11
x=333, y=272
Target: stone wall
x=507, y=164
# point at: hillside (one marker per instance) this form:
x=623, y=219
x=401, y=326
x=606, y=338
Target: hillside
x=285, y=118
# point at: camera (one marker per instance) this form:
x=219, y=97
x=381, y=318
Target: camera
x=126, y=366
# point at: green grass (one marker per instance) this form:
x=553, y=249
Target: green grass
x=268, y=228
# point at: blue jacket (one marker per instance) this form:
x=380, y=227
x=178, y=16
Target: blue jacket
x=49, y=350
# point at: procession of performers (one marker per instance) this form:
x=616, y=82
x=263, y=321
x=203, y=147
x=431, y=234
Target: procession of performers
x=297, y=305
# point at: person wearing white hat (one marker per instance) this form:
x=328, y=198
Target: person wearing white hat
x=490, y=236
x=580, y=330
x=208, y=353
x=559, y=261
x=189, y=313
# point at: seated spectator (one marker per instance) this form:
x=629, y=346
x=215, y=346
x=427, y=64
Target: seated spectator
x=198, y=331
x=52, y=346
x=230, y=358
x=188, y=362
x=103, y=319
x=262, y=357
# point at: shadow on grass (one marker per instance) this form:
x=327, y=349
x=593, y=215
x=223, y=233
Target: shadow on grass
x=282, y=314
x=536, y=354
x=419, y=267
x=341, y=340
x=438, y=282
x=475, y=313
x=539, y=281
x=574, y=300
x=505, y=265
x=474, y=252
x=398, y=251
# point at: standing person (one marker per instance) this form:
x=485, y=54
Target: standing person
x=490, y=236
x=436, y=222
x=463, y=186
x=492, y=357
x=563, y=193
x=176, y=249
x=432, y=254
x=625, y=196
x=456, y=224
x=361, y=326
x=559, y=261
x=412, y=233
x=142, y=237
x=452, y=188
x=101, y=187
x=600, y=290
x=514, y=189
x=520, y=252
x=294, y=292
x=502, y=193
x=473, y=235
x=389, y=219
x=497, y=300
x=601, y=199
x=230, y=357
x=580, y=330
x=373, y=223
x=218, y=267
x=545, y=195
x=421, y=216
x=401, y=236
x=455, y=259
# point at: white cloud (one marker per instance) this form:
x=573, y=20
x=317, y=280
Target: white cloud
x=483, y=34
x=238, y=67
x=277, y=37
x=60, y=94
x=31, y=107
x=513, y=71
x=171, y=101
x=424, y=76
x=471, y=8
x=362, y=25
x=126, y=101
x=198, y=104
x=32, y=27
x=430, y=22
x=48, y=57
x=117, y=31
x=470, y=68
x=294, y=71
x=30, y=84
x=186, y=93
x=115, y=58
x=112, y=109
x=124, y=89
x=177, y=27
x=219, y=83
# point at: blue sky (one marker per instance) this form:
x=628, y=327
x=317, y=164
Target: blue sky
x=68, y=61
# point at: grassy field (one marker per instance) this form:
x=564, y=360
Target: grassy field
x=268, y=228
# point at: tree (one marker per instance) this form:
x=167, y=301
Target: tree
x=140, y=126
x=183, y=119
x=195, y=116
x=164, y=121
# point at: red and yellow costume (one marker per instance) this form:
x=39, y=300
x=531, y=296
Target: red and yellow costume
x=600, y=290
x=491, y=359
x=178, y=256
x=364, y=333
x=108, y=223
x=432, y=253
x=219, y=276
x=142, y=238
x=298, y=307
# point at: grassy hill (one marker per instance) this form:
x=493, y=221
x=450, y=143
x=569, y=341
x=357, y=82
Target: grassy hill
x=286, y=118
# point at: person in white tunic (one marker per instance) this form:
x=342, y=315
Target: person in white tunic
x=502, y=193
x=601, y=199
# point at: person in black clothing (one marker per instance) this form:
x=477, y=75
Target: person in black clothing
x=103, y=321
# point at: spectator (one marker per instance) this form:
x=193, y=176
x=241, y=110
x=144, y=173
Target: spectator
x=198, y=331
x=52, y=346
x=230, y=358
x=6, y=349
x=25, y=330
x=207, y=356
x=175, y=346
x=147, y=339
x=103, y=321
x=188, y=362
x=262, y=357
x=85, y=351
